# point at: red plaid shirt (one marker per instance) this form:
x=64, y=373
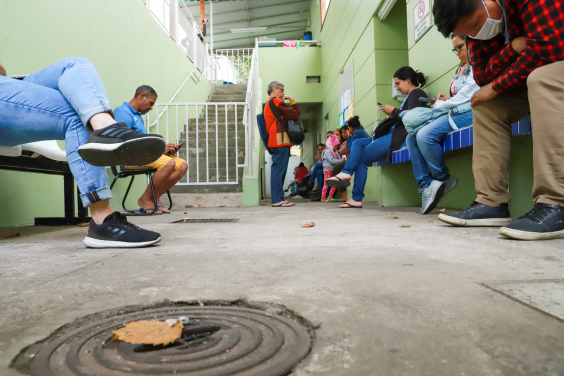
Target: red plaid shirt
x=541, y=22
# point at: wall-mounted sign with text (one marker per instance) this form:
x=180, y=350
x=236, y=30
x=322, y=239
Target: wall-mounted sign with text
x=421, y=18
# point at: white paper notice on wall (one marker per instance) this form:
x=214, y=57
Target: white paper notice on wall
x=421, y=18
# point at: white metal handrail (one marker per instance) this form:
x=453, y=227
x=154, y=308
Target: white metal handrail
x=183, y=124
x=175, y=19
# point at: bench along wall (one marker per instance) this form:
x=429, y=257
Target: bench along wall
x=432, y=55
x=128, y=48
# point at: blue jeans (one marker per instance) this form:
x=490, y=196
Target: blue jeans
x=278, y=170
x=364, y=152
x=426, y=151
x=56, y=103
x=317, y=175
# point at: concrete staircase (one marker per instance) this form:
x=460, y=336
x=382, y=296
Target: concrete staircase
x=227, y=130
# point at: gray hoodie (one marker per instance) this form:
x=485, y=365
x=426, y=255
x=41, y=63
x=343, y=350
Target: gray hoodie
x=328, y=160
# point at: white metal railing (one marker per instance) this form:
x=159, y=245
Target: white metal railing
x=254, y=102
x=175, y=18
x=268, y=43
x=212, y=134
x=233, y=65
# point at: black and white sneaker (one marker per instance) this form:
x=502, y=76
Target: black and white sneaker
x=543, y=222
x=477, y=215
x=117, y=232
x=117, y=144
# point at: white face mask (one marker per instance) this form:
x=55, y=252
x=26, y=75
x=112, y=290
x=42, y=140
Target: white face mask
x=490, y=28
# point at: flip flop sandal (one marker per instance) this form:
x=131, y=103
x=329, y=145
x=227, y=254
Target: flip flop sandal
x=162, y=212
x=349, y=206
x=337, y=183
x=148, y=211
x=283, y=205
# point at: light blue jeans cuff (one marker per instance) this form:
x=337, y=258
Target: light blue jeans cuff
x=96, y=195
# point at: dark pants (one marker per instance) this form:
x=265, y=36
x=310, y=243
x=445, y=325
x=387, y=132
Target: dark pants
x=336, y=169
x=278, y=170
x=317, y=175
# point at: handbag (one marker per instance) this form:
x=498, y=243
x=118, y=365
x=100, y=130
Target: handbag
x=385, y=125
x=294, y=128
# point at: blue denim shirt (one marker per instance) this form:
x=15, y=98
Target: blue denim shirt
x=128, y=115
x=359, y=133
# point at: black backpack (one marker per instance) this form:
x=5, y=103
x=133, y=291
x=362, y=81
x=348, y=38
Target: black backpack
x=294, y=128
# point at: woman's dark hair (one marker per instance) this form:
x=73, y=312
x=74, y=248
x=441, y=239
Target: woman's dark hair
x=322, y=145
x=447, y=13
x=416, y=78
x=301, y=164
x=345, y=127
x=354, y=123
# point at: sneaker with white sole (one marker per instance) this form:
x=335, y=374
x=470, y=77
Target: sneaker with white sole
x=479, y=215
x=117, y=232
x=117, y=144
x=431, y=195
x=450, y=184
x=543, y=222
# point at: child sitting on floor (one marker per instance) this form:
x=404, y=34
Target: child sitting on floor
x=330, y=157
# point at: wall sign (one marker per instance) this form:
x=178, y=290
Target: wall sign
x=421, y=18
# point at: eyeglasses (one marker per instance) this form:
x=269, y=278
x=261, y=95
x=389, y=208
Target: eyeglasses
x=458, y=48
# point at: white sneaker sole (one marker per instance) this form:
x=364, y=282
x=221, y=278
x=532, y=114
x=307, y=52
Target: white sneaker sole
x=97, y=243
x=526, y=235
x=487, y=222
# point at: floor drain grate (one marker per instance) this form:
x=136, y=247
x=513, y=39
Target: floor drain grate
x=215, y=341
x=208, y=220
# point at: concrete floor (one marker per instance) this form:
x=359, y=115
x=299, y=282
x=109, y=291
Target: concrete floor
x=390, y=300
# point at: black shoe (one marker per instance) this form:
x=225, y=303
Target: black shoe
x=117, y=144
x=316, y=197
x=117, y=232
x=479, y=215
x=541, y=223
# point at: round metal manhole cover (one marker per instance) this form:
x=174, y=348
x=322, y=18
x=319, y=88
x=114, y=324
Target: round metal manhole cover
x=215, y=341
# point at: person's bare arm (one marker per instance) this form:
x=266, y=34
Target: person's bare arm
x=2, y=69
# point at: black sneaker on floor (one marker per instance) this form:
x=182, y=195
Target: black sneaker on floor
x=541, y=223
x=479, y=215
x=117, y=144
x=117, y=232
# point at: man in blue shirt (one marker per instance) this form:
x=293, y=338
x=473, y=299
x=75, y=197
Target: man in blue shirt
x=170, y=169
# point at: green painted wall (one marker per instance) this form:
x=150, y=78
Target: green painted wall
x=128, y=51
x=291, y=66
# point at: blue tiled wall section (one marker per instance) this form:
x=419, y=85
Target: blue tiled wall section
x=462, y=138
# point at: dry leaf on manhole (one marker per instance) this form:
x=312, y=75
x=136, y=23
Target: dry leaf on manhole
x=440, y=211
x=83, y=224
x=405, y=226
x=431, y=221
x=149, y=332
x=188, y=206
x=392, y=216
x=200, y=303
x=465, y=232
x=200, y=205
x=12, y=235
x=307, y=224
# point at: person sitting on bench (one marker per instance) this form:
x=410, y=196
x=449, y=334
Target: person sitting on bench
x=516, y=49
x=67, y=101
x=169, y=168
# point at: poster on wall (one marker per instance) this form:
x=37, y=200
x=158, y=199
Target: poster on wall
x=324, y=7
x=421, y=18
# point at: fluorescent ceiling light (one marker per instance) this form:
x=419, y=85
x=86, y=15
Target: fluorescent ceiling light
x=249, y=29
